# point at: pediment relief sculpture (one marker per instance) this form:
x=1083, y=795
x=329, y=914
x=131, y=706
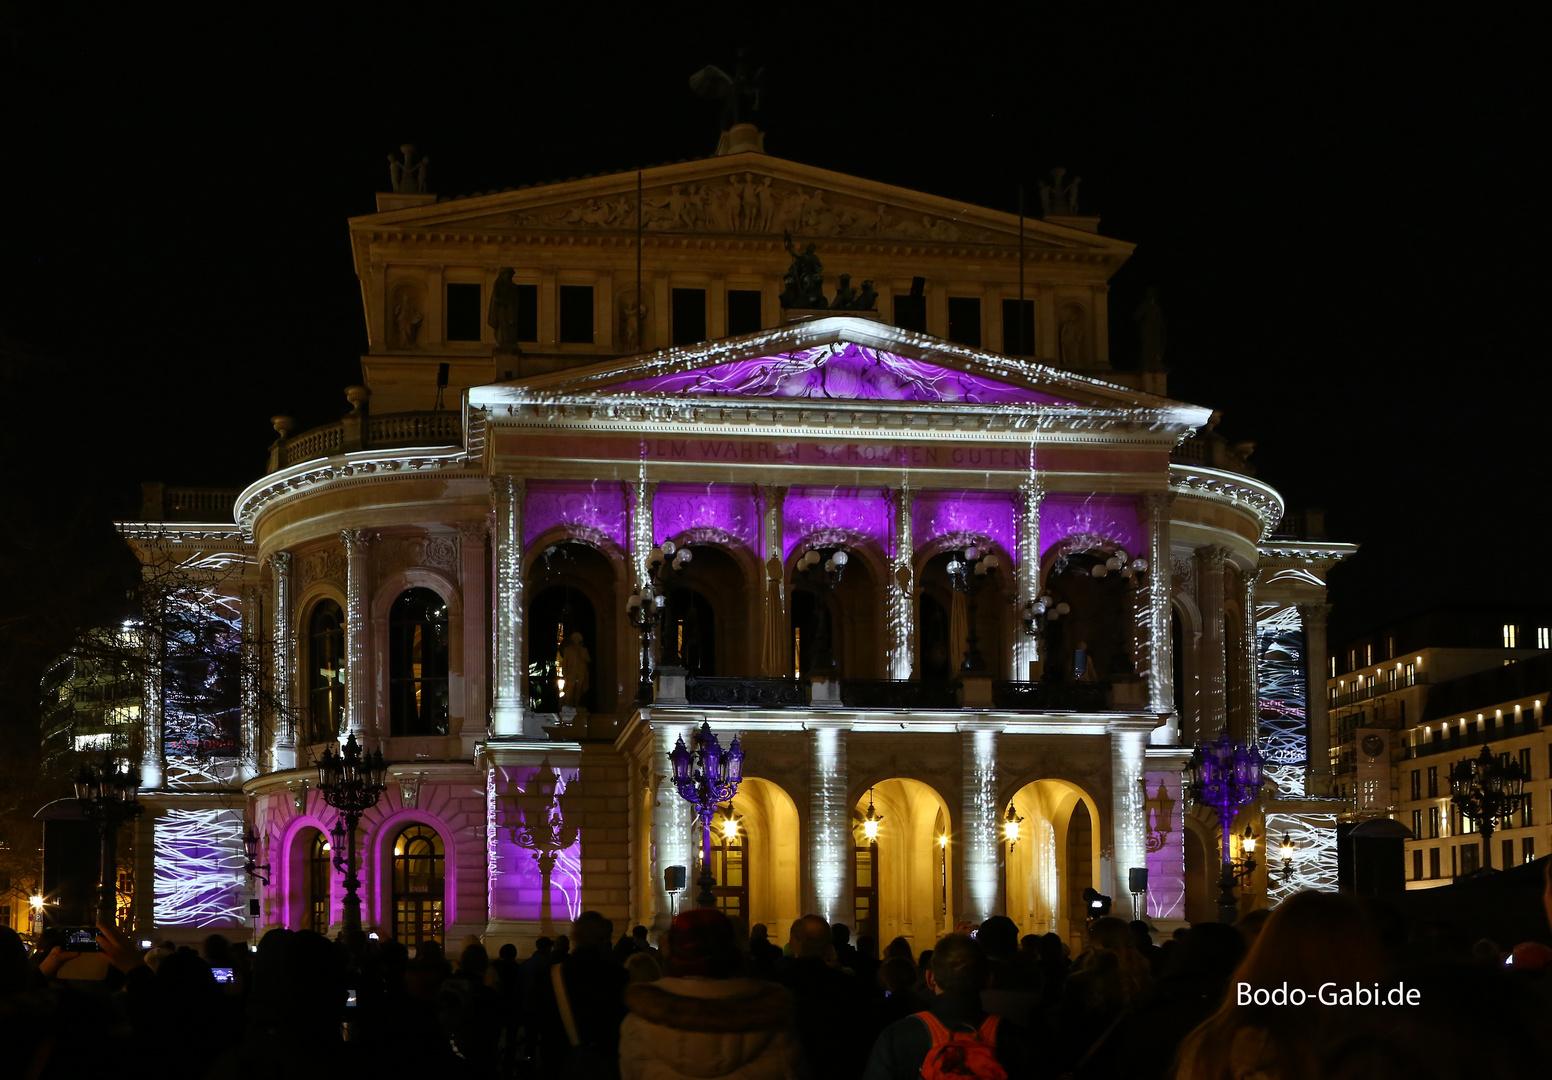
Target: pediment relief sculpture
x=750, y=202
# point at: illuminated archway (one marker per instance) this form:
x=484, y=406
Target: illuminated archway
x=765, y=830
x=906, y=890
x=1056, y=857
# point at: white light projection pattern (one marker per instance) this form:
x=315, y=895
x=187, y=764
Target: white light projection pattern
x=902, y=621
x=831, y=822
x=1131, y=813
x=199, y=860
x=1314, y=854
x=981, y=815
x=1282, y=704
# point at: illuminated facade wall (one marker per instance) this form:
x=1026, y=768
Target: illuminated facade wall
x=199, y=879
x=1314, y=864
x=1166, y=844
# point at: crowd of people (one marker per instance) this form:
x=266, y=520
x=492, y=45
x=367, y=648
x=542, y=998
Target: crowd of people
x=716, y=1001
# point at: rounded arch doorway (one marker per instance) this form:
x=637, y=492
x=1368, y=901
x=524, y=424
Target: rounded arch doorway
x=419, y=885
x=1055, y=856
x=902, y=873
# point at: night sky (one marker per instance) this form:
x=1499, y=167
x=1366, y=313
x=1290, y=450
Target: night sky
x=1345, y=218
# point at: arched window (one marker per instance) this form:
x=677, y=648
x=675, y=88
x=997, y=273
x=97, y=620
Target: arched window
x=694, y=625
x=315, y=914
x=326, y=672
x=417, y=664
x=418, y=885
x=937, y=658
x=554, y=615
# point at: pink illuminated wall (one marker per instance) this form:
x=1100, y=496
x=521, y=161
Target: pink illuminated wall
x=726, y=510
x=595, y=509
x=967, y=514
x=517, y=886
x=1099, y=518
x=842, y=371
x=1167, y=866
x=820, y=516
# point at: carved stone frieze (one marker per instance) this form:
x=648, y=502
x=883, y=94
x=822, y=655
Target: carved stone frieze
x=751, y=202
x=327, y=564
x=403, y=552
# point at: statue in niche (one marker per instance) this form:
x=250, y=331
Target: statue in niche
x=407, y=317
x=502, y=316
x=1072, y=336
x=1150, y=331
x=743, y=86
x=804, y=280
x=1058, y=198
x=408, y=176
x=574, y=661
x=633, y=313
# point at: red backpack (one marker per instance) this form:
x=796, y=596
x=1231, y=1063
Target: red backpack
x=957, y=1055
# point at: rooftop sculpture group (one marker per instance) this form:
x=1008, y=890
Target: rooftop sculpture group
x=804, y=285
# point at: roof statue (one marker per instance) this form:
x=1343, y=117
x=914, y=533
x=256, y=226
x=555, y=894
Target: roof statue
x=502, y=315
x=1059, y=199
x=408, y=176
x=804, y=280
x=1151, y=339
x=743, y=85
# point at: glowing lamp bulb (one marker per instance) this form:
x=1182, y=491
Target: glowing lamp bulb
x=1010, y=830
x=840, y=558
x=870, y=829
x=1285, y=849
x=667, y=548
x=943, y=841
x=1099, y=570
x=36, y=902
x=1063, y=608
x=730, y=829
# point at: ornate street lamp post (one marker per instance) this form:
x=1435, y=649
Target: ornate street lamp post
x=823, y=570
x=251, y=865
x=706, y=775
x=967, y=572
x=645, y=608
x=648, y=609
x=537, y=821
x=1485, y=789
x=352, y=782
x=109, y=795
x=1226, y=775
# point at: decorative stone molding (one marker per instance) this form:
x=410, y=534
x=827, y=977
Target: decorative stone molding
x=353, y=469
x=327, y=564
x=1241, y=492
x=403, y=552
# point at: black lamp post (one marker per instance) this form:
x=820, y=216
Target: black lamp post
x=537, y=821
x=706, y=775
x=1486, y=788
x=251, y=865
x=967, y=572
x=823, y=569
x=648, y=608
x=645, y=608
x=1226, y=775
x=352, y=782
x=109, y=795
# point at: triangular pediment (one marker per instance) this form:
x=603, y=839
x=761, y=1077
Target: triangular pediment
x=748, y=195
x=840, y=358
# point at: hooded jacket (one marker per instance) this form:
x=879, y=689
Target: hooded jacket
x=733, y=1029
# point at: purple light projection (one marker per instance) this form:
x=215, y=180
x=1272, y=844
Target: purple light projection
x=1167, y=865
x=711, y=512
x=517, y=888
x=592, y=511
x=824, y=516
x=963, y=515
x=844, y=371
x=1091, y=519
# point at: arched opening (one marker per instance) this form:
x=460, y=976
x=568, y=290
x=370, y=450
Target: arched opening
x=707, y=622
x=1093, y=641
x=901, y=875
x=419, y=885
x=569, y=584
x=1052, y=859
x=836, y=626
x=937, y=657
x=325, y=672
x=418, y=663
x=988, y=607
x=310, y=879
x=1201, y=894
x=755, y=859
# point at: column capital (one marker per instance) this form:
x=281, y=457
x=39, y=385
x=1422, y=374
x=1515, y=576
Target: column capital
x=281, y=561
x=356, y=540
x=1156, y=501
x=473, y=530
x=1211, y=556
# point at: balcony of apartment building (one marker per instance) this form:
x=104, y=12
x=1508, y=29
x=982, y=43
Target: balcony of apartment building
x=1366, y=688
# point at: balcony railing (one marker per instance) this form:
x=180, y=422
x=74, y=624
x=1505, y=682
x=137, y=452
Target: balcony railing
x=905, y=694
x=360, y=431
x=752, y=693
x=1051, y=697
x=1381, y=686
x=898, y=694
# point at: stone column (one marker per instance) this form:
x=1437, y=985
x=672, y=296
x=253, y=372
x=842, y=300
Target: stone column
x=358, y=682
x=1156, y=588
x=830, y=844
x=1317, y=767
x=473, y=560
x=1212, y=714
x=673, y=839
x=153, y=748
x=252, y=618
x=901, y=609
x=1026, y=647
x=508, y=493
x=1129, y=818
x=283, y=677
x=980, y=844
x=1247, y=730
x=773, y=604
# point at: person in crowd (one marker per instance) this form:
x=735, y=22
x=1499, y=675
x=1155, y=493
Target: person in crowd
x=586, y=1003
x=469, y=1011
x=706, y=1019
x=865, y=960
x=1014, y=991
x=1142, y=937
x=954, y=1024
x=1312, y=938
x=841, y=947
x=1249, y=925
x=897, y=978
x=1110, y=976
x=899, y=947
x=640, y=943
x=824, y=992
x=534, y=982
x=643, y=967
x=763, y=954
